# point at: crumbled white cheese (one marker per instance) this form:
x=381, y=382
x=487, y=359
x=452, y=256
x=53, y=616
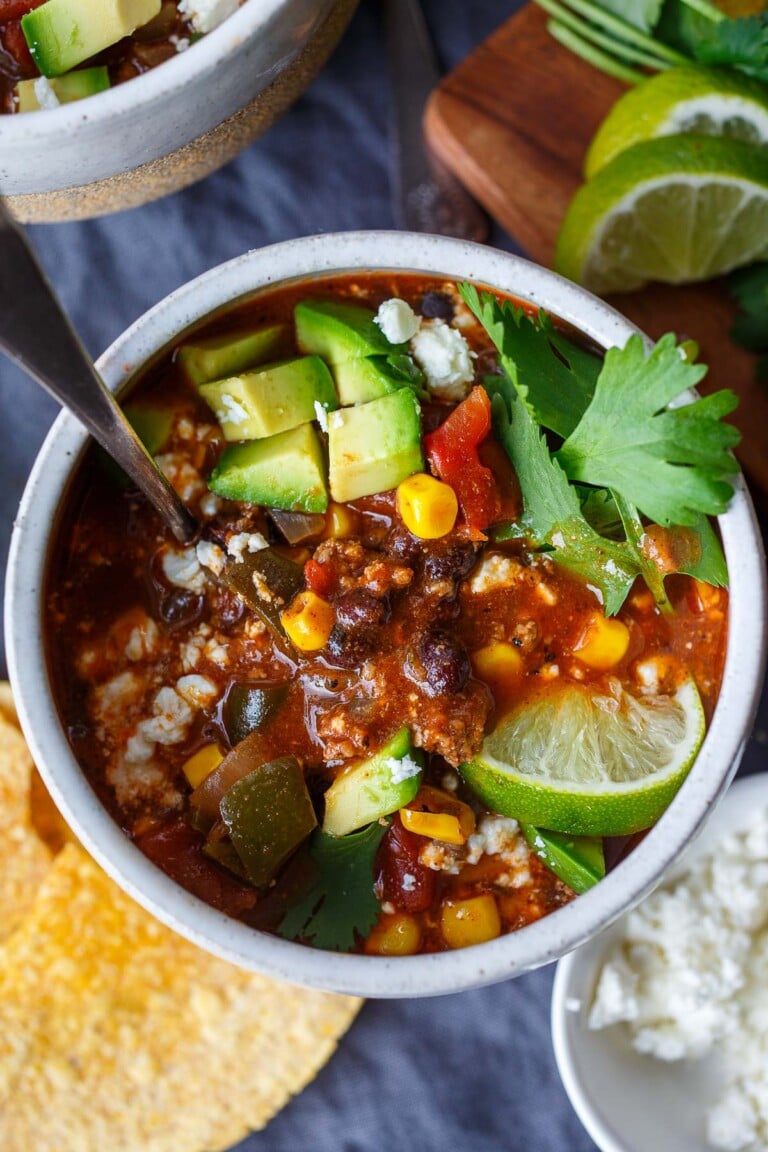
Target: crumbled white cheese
x=182, y=569
x=229, y=409
x=688, y=977
x=501, y=836
x=170, y=720
x=243, y=542
x=495, y=571
x=198, y=691
x=210, y=505
x=335, y=420
x=205, y=15
x=118, y=693
x=409, y=882
x=182, y=475
x=321, y=415
x=211, y=556
x=139, y=750
x=46, y=97
x=397, y=321
x=441, y=857
x=180, y=43
x=143, y=640
x=445, y=358
x=402, y=769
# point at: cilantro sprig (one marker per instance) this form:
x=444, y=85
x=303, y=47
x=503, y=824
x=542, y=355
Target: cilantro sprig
x=617, y=36
x=622, y=451
x=340, y=900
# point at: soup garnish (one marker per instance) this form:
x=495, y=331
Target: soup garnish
x=448, y=641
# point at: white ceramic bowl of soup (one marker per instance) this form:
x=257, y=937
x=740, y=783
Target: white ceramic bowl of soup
x=160, y=131
x=539, y=943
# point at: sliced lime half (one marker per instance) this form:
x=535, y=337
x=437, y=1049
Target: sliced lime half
x=707, y=101
x=587, y=763
x=677, y=209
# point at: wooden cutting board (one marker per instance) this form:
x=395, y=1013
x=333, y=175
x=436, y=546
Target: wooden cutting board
x=514, y=121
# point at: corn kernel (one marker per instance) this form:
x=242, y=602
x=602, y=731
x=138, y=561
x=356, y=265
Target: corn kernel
x=340, y=522
x=435, y=813
x=396, y=934
x=437, y=825
x=308, y=621
x=472, y=921
x=202, y=763
x=603, y=644
x=427, y=506
x=498, y=661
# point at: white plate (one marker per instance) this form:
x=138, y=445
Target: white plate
x=629, y=1102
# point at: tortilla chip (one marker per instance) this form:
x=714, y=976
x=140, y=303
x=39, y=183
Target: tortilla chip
x=7, y=705
x=24, y=858
x=117, y=1034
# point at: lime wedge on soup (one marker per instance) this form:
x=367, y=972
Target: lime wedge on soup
x=589, y=763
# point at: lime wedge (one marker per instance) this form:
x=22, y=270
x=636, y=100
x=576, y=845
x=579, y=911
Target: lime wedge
x=589, y=764
x=677, y=209
x=707, y=101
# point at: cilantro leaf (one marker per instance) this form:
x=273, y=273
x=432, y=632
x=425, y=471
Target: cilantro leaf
x=669, y=463
x=741, y=43
x=552, y=513
x=340, y=901
x=557, y=388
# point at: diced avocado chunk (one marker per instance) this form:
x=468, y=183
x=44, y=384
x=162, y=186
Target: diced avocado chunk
x=268, y=813
x=283, y=471
x=375, y=787
x=578, y=861
x=374, y=446
x=73, y=86
x=364, y=363
x=273, y=399
x=218, y=357
x=63, y=33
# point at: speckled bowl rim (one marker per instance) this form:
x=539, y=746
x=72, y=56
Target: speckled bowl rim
x=185, y=68
x=434, y=974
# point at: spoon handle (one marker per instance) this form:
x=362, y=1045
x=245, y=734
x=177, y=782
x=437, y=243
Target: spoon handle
x=36, y=334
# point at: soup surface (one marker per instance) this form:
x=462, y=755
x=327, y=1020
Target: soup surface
x=372, y=634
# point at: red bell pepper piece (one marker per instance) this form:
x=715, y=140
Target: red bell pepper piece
x=319, y=577
x=452, y=453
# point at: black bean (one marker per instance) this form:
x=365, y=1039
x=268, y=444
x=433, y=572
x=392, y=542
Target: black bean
x=451, y=565
x=360, y=608
x=445, y=662
x=436, y=305
x=181, y=608
x=350, y=649
x=401, y=544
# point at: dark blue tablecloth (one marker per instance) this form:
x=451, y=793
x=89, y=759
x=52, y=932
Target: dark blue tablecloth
x=473, y=1072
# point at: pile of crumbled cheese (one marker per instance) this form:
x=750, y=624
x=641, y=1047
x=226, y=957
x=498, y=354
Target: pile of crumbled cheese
x=691, y=975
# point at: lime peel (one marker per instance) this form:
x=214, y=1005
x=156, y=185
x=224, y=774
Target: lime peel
x=580, y=762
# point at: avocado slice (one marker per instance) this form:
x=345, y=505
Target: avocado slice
x=284, y=471
x=373, y=446
x=73, y=86
x=364, y=363
x=373, y=788
x=271, y=399
x=218, y=357
x=578, y=861
x=63, y=33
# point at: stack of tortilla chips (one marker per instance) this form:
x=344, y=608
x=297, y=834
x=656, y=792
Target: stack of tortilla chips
x=115, y=1033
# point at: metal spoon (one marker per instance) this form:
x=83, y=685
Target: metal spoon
x=427, y=197
x=36, y=334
